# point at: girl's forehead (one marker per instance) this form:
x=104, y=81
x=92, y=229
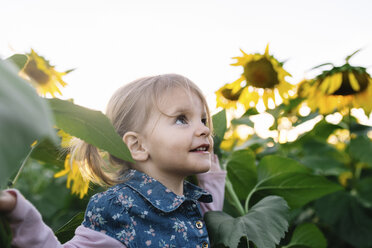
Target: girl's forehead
x=179, y=99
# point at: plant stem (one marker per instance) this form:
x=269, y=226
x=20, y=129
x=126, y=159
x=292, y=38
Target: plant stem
x=236, y=203
x=246, y=205
x=22, y=166
x=352, y=164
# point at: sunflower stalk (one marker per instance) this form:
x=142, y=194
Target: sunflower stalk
x=232, y=195
x=354, y=168
x=12, y=183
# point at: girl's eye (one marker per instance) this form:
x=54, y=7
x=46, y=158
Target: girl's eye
x=181, y=120
x=204, y=121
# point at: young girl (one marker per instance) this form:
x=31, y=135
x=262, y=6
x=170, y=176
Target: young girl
x=165, y=122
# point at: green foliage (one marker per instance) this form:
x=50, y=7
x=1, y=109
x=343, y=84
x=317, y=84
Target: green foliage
x=24, y=116
x=49, y=153
x=307, y=235
x=19, y=60
x=67, y=231
x=219, y=128
x=265, y=224
x=347, y=217
x=242, y=172
x=89, y=125
x=361, y=149
x=5, y=233
x=291, y=180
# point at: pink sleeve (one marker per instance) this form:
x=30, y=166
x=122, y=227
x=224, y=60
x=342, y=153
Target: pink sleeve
x=30, y=231
x=214, y=183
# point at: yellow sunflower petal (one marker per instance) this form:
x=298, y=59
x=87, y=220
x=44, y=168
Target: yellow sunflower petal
x=324, y=85
x=335, y=83
x=236, y=85
x=353, y=82
x=247, y=97
x=61, y=173
x=267, y=49
x=265, y=98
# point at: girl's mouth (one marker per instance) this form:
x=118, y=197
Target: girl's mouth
x=201, y=148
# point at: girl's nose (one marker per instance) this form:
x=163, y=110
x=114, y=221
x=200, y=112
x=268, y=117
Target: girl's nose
x=202, y=130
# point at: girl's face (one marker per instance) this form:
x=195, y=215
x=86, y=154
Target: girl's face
x=177, y=137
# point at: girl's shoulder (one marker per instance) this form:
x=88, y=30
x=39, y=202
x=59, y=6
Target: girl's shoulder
x=113, y=195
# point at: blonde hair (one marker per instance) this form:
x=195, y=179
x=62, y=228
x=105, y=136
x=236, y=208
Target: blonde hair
x=128, y=110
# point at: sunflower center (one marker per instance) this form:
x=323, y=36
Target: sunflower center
x=35, y=73
x=346, y=89
x=261, y=74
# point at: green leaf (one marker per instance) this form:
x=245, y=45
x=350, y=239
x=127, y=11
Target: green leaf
x=251, y=111
x=342, y=213
x=320, y=132
x=303, y=119
x=361, y=149
x=323, y=164
x=19, y=60
x=89, y=125
x=255, y=142
x=5, y=233
x=364, y=191
x=245, y=120
x=265, y=224
x=307, y=235
x=291, y=180
x=242, y=172
x=273, y=165
x=24, y=116
x=219, y=127
x=67, y=231
x=49, y=153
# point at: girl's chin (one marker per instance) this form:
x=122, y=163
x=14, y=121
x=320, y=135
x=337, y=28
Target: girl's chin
x=204, y=168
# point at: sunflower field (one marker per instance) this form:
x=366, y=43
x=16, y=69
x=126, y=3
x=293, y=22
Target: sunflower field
x=306, y=181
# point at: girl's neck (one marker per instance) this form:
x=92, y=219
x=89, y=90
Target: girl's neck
x=172, y=182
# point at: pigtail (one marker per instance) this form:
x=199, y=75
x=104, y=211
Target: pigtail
x=93, y=166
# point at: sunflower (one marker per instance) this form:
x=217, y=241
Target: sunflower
x=43, y=75
x=340, y=88
x=263, y=78
x=80, y=185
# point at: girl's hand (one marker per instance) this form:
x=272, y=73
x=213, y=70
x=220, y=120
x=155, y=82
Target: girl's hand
x=8, y=201
x=215, y=163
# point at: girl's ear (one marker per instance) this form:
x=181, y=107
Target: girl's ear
x=135, y=146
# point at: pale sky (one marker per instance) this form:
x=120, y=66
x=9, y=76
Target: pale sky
x=113, y=42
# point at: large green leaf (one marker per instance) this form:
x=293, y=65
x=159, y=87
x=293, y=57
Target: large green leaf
x=67, y=231
x=307, y=235
x=49, y=153
x=265, y=224
x=361, y=149
x=24, y=118
x=241, y=170
x=345, y=216
x=219, y=129
x=320, y=131
x=89, y=125
x=364, y=191
x=291, y=180
x=19, y=60
x=321, y=164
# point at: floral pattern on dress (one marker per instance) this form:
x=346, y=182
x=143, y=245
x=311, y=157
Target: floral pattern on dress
x=142, y=212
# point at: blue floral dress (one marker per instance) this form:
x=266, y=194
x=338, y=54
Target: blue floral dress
x=142, y=212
